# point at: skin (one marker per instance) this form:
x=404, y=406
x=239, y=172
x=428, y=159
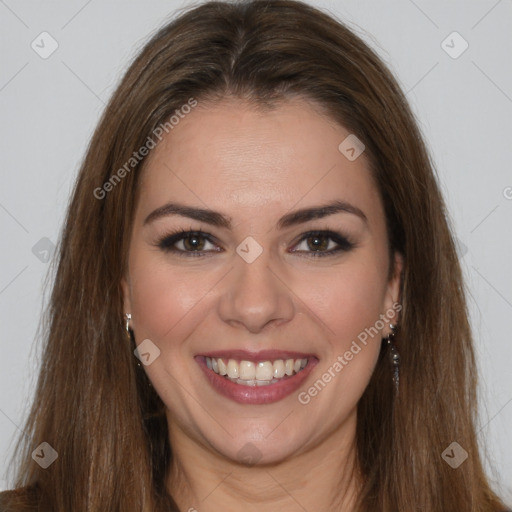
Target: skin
x=254, y=167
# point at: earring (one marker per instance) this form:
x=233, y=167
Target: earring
x=394, y=356
x=128, y=317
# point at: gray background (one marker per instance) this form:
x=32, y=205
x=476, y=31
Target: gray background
x=49, y=108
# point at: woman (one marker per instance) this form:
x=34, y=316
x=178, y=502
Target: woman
x=258, y=302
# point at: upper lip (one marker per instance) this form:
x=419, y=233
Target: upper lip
x=261, y=355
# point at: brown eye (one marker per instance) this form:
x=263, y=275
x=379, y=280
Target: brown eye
x=318, y=242
x=187, y=243
x=194, y=242
x=323, y=243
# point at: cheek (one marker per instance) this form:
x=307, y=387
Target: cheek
x=348, y=300
x=162, y=297
x=349, y=304
x=166, y=307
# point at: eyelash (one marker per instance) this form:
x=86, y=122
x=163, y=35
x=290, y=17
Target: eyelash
x=167, y=242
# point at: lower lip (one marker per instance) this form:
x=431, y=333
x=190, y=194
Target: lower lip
x=258, y=395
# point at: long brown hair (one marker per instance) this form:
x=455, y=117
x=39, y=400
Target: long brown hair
x=97, y=410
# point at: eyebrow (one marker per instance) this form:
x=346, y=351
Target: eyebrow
x=290, y=219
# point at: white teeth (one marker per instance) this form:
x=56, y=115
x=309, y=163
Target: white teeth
x=255, y=374
x=264, y=370
x=233, y=369
x=279, y=369
x=252, y=383
x=247, y=370
x=223, y=369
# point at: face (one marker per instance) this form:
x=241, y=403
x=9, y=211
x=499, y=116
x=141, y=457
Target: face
x=283, y=282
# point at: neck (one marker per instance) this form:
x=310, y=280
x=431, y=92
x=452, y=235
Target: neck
x=325, y=478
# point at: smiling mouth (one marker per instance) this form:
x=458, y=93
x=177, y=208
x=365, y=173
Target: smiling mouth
x=260, y=373
x=256, y=378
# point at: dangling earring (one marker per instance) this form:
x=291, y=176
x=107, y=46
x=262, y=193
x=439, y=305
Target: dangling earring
x=128, y=317
x=394, y=356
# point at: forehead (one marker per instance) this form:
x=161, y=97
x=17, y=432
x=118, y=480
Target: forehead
x=232, y=156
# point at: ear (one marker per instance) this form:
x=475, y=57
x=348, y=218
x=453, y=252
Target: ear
x=393, y=299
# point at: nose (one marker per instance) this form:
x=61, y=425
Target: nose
x=256, y=295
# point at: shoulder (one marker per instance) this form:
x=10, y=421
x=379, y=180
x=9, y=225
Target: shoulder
x=19, y=500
